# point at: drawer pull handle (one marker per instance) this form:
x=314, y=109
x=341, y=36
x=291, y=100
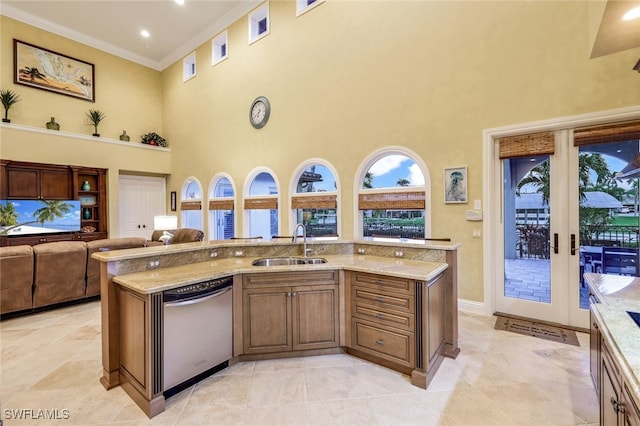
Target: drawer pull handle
x=378, y=282
x=380, y=342
x=379, y=299
x=379, y=316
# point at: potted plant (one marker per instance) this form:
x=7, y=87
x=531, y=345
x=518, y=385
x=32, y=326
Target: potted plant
x=153, y=138
x=8, y=98
x=95, y=117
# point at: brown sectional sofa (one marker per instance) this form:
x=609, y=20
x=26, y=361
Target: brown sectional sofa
x=16, y=278
x=52, y=273
x=182, y=235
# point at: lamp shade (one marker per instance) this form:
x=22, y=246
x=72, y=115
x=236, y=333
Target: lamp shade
x=163, y=223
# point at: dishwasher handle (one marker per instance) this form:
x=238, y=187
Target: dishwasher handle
x=197, y=299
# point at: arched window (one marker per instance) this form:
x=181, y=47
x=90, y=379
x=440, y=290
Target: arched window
x=191, y=204
x=314, y=202
x=221, y=208
x=392, y=196
x=261, y=206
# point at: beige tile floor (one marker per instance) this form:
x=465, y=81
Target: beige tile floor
x=52, y=361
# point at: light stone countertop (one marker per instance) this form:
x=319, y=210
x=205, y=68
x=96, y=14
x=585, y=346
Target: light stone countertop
x=157, y=280
x=619, y=294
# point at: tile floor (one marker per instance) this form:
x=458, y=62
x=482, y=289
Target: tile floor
x=52, y=361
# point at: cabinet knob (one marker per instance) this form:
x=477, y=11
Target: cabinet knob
x=380, y=342
x=379, y=316
x=379, y=299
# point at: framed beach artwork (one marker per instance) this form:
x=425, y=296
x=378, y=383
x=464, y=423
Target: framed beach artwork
x=48, y=70
x=455, y=185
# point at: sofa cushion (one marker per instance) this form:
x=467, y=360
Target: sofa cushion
x=59, y=272
x=93, y=265
x=16, y=270
x=180, y=235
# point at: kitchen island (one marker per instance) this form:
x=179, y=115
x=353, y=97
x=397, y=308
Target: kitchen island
x=615, y=346
x=391, y=303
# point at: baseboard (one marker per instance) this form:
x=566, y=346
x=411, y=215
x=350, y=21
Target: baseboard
x=473, y=307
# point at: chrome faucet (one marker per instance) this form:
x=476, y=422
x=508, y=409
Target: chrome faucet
x=304, y=237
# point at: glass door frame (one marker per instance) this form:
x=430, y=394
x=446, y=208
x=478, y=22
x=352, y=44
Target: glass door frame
x=492, y=243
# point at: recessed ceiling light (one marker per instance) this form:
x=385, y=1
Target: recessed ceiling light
x=180, y=2
x=632, y=14
x=145, y=33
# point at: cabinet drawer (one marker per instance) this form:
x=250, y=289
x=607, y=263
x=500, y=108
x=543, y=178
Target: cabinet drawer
x=383, y=300
x=401, y=320
x=395, y=346
x=385, y=283
x=267, y=278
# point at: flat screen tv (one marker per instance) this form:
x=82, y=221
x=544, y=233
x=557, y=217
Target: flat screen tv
x=28, y=217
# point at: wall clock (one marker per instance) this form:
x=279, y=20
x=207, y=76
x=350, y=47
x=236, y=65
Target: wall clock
x=259, y=112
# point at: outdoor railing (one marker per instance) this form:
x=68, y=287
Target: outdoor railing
x=532, y=241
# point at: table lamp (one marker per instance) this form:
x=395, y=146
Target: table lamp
x=165, y=223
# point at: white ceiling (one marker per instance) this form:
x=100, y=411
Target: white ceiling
x=114, y=26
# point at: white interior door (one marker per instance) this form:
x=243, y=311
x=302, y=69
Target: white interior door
x=141, y=198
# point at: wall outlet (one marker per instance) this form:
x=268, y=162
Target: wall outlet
x=477, y=233
x=213, y=253
x=239, y=253
x=361, y=251
x=153, y=264
x=399, y=254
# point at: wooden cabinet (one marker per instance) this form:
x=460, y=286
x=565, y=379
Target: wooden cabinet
x=383, y=317
x=618, y=407
x=90, y=187
x=29, y=181
x=290, y=311
x=37, y=181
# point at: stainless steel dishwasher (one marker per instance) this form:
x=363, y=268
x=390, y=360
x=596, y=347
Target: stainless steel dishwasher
x=198, y=332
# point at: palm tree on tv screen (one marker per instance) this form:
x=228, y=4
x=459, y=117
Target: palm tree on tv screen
x=50, y=210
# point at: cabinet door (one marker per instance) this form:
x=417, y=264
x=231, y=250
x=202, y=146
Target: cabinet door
x=23, y=183
x=609, y=392
x=315, y=317
x=266, y=319
x=55, y=185
x=631, y=410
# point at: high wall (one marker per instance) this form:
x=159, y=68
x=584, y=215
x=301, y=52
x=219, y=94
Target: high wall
x=130, y=95
x=344, y=80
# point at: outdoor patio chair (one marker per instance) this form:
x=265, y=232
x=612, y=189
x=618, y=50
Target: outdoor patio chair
x=620, y=261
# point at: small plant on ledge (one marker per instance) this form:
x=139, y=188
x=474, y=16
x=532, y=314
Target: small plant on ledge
x=8, y=98
x=154, y=139
x=95, y=117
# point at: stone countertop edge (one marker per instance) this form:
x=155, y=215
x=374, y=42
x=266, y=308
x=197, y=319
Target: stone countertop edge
x=157, y=280
x=617, y=295
x=136, y=253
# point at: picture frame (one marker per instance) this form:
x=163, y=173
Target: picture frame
x=173, y=201
x=455, y=185
x=44, y=69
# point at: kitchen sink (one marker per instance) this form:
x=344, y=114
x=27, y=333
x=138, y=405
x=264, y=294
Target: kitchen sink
x=279, y=261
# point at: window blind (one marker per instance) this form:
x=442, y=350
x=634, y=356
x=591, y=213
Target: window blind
x=392, y=200
x=191, y=205
x=314, y=202
x=533, y=144
x=608, y=133
x=221, y=204
x=261, y=204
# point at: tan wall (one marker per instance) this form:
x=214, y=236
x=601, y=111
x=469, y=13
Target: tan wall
x=129, y=94
x=347, y=79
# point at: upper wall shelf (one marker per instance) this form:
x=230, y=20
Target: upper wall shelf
x=31, y=129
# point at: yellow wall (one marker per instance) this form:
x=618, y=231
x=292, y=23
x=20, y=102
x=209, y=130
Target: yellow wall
x=349, y=78
x=129, y=94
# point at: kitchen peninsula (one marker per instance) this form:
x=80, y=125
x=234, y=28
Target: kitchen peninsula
x=391, y=303
x=615, y=346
